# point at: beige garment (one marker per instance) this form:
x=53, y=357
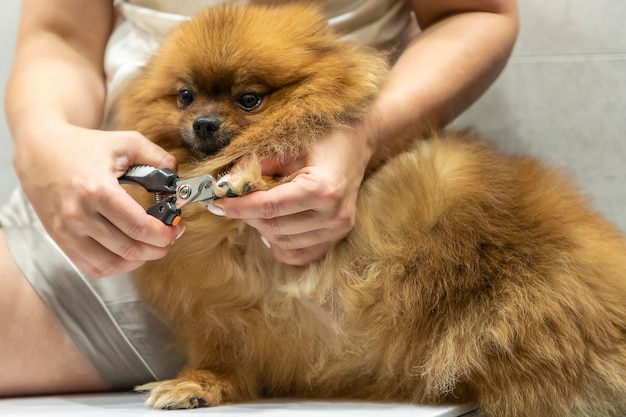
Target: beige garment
x=124, y=341
x=378, y=23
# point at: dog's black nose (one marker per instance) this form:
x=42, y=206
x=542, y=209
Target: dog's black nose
x=205, y=126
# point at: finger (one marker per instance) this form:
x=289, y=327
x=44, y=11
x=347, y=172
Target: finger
x=292, y=224
x=335, y=224
x=285, y=199
x=313, y=236
x=284, y=166
x=115, y=241
x=271, y=166
x=123, y=212
x=95, y=260
x=139, y=150
x=302, y=257
x=301, y=240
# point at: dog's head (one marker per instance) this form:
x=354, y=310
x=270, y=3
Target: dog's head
x=235, y=81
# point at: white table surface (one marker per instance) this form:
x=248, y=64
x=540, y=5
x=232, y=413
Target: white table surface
x=127, y=404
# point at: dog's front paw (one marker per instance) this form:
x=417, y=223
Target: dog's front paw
x=229, y=186
x=182, y=393
x=242, y=183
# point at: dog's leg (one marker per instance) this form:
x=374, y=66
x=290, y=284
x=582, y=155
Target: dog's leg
x=193, y=388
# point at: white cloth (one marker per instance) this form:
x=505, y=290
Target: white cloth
x=142, y=24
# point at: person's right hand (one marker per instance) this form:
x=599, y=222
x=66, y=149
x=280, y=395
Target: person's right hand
x=70, y=177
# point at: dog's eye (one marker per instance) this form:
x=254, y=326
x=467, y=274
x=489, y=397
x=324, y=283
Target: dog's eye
x=249, y=101
x=185, y=97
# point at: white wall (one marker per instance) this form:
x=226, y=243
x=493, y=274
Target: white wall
x=8, y=26
x=562, y=96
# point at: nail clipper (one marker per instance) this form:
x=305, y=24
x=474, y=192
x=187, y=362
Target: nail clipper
x=169, y=190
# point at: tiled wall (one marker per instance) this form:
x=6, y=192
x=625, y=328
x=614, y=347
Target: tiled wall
x=8, y=26
x=562, y=96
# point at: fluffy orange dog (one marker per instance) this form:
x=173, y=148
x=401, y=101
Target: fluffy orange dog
x=491, y=281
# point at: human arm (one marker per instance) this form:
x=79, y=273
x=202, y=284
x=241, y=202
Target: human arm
x=462, y=48
x=67, y=167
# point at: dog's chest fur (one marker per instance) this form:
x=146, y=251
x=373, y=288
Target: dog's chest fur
x=260, y=311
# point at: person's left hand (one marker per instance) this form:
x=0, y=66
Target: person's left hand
x=301, y=220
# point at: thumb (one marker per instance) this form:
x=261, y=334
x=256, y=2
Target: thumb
x=142, y=151
x=281, y=166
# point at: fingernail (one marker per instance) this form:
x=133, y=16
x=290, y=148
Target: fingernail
x=265, y=242
x=218, y=211
x=181, y=232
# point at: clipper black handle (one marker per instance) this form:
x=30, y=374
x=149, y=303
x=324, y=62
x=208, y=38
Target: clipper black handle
x=157, y=180
x=166, y=211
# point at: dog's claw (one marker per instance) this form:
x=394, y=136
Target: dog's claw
x=223, y=181
x=198, y=402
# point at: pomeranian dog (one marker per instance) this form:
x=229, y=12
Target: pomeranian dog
x=492, y=281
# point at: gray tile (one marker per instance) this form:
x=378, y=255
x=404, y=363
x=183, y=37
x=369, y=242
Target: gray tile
x=563, y=27
x=8, y=26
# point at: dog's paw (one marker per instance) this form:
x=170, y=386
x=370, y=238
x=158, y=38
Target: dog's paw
x=228, y=186
x=178, y=393
x=240, y=184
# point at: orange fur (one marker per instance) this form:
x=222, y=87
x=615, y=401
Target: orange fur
x=471, y=275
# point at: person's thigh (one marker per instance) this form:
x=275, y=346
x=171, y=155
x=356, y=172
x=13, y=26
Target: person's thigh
x=36, y=354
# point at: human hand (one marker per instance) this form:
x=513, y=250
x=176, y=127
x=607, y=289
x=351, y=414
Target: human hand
x=301, y=220
x=70, y=178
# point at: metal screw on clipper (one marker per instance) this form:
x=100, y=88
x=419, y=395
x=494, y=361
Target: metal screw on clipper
x=184, y=191
x=170, y=192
